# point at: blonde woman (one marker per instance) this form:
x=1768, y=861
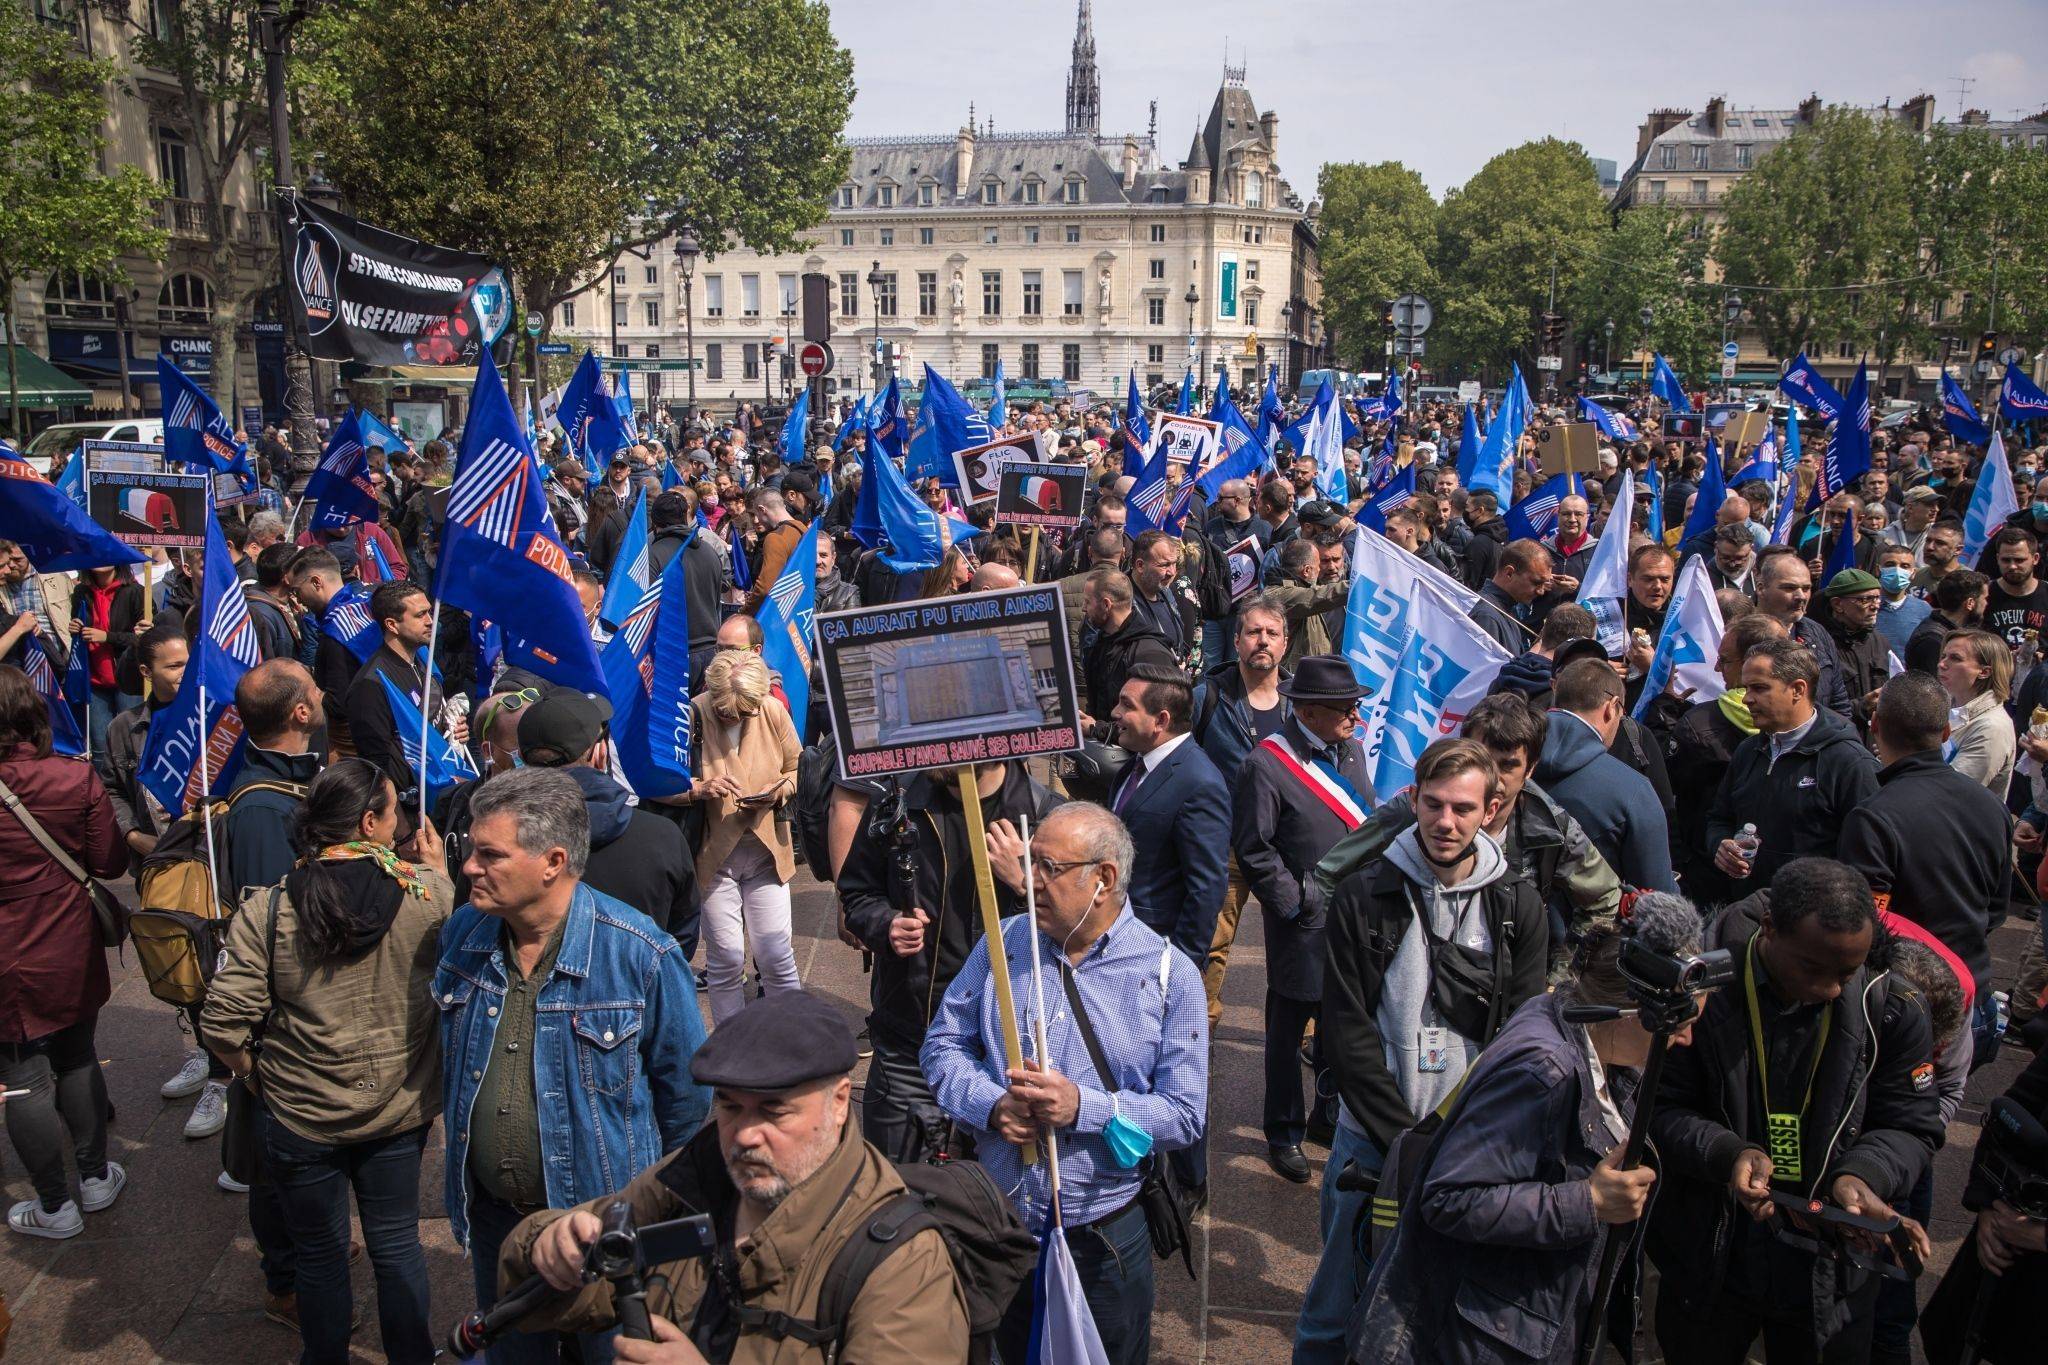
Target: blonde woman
x=745, y=760
x=1976, y=672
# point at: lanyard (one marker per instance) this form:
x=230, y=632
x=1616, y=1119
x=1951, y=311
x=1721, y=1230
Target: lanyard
x=1782, y=1128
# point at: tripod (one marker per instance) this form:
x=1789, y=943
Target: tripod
x=1619, y=1236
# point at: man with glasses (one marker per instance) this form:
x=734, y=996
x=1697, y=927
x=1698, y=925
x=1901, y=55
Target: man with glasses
x=24, y=593
x=1300, y=790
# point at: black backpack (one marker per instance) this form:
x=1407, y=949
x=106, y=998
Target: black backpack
x=817, y=771
x=993, y=1253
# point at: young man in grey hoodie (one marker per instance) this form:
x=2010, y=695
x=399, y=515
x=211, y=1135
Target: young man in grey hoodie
x=1431, y=947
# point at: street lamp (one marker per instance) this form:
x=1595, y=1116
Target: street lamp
x=1287, y=326
x=1607, y=352
x=1647, y=316
x=788, y=348
x=1192, y=299
x=687, y=251
x=1731, y=313
x=875, y=293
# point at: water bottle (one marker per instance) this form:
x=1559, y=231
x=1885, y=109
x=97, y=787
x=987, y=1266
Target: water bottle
x=1747, y=843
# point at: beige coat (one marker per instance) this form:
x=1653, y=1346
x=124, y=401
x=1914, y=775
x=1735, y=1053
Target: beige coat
x=1985, y=744
x=764, y=761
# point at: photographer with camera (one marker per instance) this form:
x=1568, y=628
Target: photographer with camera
x=908, y=889
x=1811, y=1077
x=787, y=1183
x=1521, y=1184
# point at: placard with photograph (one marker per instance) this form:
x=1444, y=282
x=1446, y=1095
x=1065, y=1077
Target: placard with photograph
x=1190, y=441
x=978, y=467
x=148, y=508
x=1243, y=559
x=135, y=457
x=1031, y=493
x=980, y=678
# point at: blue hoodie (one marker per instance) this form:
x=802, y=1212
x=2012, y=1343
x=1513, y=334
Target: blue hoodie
x=1615, y=804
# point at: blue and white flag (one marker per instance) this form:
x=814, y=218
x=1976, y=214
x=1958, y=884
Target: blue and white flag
x=1186, y=403
x=380, y=563
x=379, y=433
x=1665, y=383
x=347, y=622
x=77, y=682
x=53, y=531
x=1653, y=521
x=1788, y=508
x=1804, y=384
x=623, y=401
x=501, y=556
x=941, y=428
x=1388, y=404
x=1063, y=1328
x=1153, y=504
x=1271, y=417
x=1993, y=503
x=195, y=745
x=1137, y=427
x=795, y=444
x=72, y=481
x=1243, y=454
x=1615, y=426
x=647, y=674
x=889, y=421
x=1689, y=648
x=1319, y=436
x=1604, y=589
x=1470, y=444
x=2020, y=398
x=855, y=420
x=787, y=628
x=340, y=486
x=1535, y=517
x=446, y=764
x=889, y=512
x=1763, y=464
x=65, y=735
x=194, y=431
x=1960, y=414
x=999, y=400
x=632, y=570
x=742, y=569
x=1493, y=469
x=1706, y=503
x=1397, y=491
x=588, y=416
x=1848, y=453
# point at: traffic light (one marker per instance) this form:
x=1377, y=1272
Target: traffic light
x=1550, y=333
x=1987, y=346
x=1387, y=315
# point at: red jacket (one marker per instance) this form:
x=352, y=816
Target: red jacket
x=53, y=972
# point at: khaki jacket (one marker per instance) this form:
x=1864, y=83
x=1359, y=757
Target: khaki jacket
x=910, y=1310
x=1307, y=635
x=352, y=1049
x=764, y=760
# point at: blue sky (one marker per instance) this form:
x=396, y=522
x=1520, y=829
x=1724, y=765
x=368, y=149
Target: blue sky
x=1441, y=87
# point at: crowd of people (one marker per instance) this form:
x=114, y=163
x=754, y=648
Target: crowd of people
x=1451, y=982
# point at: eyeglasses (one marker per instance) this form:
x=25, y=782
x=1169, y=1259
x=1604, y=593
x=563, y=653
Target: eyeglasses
x=1053, y=868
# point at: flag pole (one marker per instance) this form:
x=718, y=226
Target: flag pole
x=206, y=793
x=1052, y=1142
x=427, y=702
x=992, y=933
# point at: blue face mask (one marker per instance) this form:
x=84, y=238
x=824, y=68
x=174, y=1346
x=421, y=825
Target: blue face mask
x=1895, y=579
x=1128, y=1143
x=2041, y=509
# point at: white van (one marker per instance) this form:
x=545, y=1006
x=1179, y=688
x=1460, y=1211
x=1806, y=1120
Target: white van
x=62, y=440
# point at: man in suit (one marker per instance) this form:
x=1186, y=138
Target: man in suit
x=1177, y=808
x=1302, y=789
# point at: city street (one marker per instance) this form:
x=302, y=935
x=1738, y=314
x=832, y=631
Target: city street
x=169, y=1274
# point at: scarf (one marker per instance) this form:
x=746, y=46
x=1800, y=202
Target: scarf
x=388, y=862
x=1737, y=713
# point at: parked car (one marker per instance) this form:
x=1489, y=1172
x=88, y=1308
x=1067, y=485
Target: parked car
x=62, y=440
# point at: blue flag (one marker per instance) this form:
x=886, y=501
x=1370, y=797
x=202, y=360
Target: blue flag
x=446, y=764
x=623, y=401
x=632, y=571
x=1185, y=404
x=1960, y=414
x=72, y=481
x=1804, y=384
x=195, y=746
x=787, y=627
x=999, y=400
x=1841, y=554
x=1320, y=436
x=78, y=677
x=1137, y=428
x=647, y=673
x=341, y=485
x=377, y=432
x=1706, y=503
x=1762, y=465
x=1271, y=417
x=1653, y=523
x=1614, y=425
x=52, y=530
x=889, y=421
x=1470, y=443
x=1243, y=454
x=194, y=431
x=1535, y=517
x=1388, y=404
x=1396, y=492
x=587, y=415
x=379, y=562
x=794, y=445
x=501, y=557
x=940, y=429
x=671, y=477
x=1664, y=382
x=1153, y=505
x=65, y=736
x=2020, y=398
x=1848, y=453
x=347, y=622
x=1690, y=643
x=856, y=418
x=742, y=571
x=1497, y=451
x=488, y=643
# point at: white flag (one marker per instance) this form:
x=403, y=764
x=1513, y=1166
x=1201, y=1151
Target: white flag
x=1689, y=649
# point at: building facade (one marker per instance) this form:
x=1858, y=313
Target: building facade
x=1069, y=256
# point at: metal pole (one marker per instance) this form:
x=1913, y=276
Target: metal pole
x=274, y=30
x=121, y=354
x=690, y=342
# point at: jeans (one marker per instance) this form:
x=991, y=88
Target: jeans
x=491, y=1220
x=745, y=899
x=1984, y=1034
x=897, y=1112
x=1341, y=1273
x=1113, y=1261
x=216, y=1069
x=66, y=1102
x=1897, y=1308
x=100, y=709
x=314, y=1181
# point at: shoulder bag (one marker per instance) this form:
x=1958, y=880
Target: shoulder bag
x=110, y=917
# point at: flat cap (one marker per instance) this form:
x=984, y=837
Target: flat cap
x=1849, y=582
x=778, y=1042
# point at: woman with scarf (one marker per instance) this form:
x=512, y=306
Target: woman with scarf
x=324, y=1009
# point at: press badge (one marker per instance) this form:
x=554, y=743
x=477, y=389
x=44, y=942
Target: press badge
x=1433, y=1049
x=1783, y=1139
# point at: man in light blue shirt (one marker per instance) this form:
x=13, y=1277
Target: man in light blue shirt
x=1899, y=612
x=1101, y=973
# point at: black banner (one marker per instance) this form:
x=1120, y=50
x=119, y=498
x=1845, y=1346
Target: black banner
x=381, y=299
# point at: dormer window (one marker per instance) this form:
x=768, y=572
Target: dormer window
x=1031, y=191
x=886, y=196
x=1254, y=190
x=846, y=196
x=989, y=191
x=927, y=193
x=1073, y=190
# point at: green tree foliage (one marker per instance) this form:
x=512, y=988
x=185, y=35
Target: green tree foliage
x=58, y=213
x=555, y=137
x=1378, y=225
x=1651, y=259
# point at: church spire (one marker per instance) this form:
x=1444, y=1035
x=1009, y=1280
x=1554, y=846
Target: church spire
x=1084, y=91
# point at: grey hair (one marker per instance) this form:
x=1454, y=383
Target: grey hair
x=1105, y=840
x=546, y=807
x=263, y=523
x=1661, y=921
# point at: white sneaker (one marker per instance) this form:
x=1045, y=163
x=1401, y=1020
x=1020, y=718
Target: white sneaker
x=210, y=1115
x=190, y=1077
x=227, y=1184
x=94, y=1195
x=29, y=1219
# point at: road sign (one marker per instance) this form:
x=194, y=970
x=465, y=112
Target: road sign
x=1549, y=362
x=629, y=363
x=814, y=358
x=1412, y=315
x=1730, y=350
x=1728, y=365
x=2011, y=355
x=1408, y=346
x=553, y=348
x=533, y=324
x=1468, y=391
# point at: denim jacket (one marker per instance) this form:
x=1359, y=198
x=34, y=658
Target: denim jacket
x=615, y=1026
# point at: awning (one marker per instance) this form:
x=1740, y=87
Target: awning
x=39, y=383
x=452, y=376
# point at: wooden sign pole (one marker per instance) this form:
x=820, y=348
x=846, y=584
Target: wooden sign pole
x=992, y=932
x=1031, y=557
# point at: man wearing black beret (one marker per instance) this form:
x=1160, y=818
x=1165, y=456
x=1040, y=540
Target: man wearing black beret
x=787, y=1180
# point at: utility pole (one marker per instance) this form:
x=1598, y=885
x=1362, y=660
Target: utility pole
x=273, y=34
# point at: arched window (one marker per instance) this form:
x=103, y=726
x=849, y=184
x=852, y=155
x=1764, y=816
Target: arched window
x=1254, y=190
x=72, y=295
x=185, y=301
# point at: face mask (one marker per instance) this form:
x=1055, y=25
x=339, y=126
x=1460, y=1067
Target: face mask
x=2041, y=509
x=1128, y=1143
x=1895, y=579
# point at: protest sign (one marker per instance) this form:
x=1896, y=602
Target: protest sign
x=977, y=469
x=144, y=508
x=1032, y=493
x=1192, y=442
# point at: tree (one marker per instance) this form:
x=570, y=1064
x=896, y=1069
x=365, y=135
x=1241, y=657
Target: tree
x=555, y=138
x=58, y=213
x=1651, y=259
x=1377, y=228
x=1531, y=210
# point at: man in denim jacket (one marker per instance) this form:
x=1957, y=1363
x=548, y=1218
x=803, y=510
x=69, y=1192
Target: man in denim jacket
x=568, y=1020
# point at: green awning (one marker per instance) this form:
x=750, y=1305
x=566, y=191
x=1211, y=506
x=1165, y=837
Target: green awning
x=41, y=384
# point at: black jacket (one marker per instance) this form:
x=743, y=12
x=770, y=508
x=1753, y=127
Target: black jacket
x=637, y=856
x=707, y=573
x=1865, y=661
x=1696, y=755
x=1833, y=692
x=907, y=989
x=1482, y=552
x=1368, y=917
x=277, y=630
x=1179, y=820
x=1934, y=845
x=1923, y=646
x=1798, y=807
x=258, y=828
x=371, y=726
x=1874, y=1113
x=1113, y=654
x=1495, y=614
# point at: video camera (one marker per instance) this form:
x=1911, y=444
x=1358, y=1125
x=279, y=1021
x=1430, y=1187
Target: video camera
x=1663, y=984
x=1830, y=1229
x=2014, y=1157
